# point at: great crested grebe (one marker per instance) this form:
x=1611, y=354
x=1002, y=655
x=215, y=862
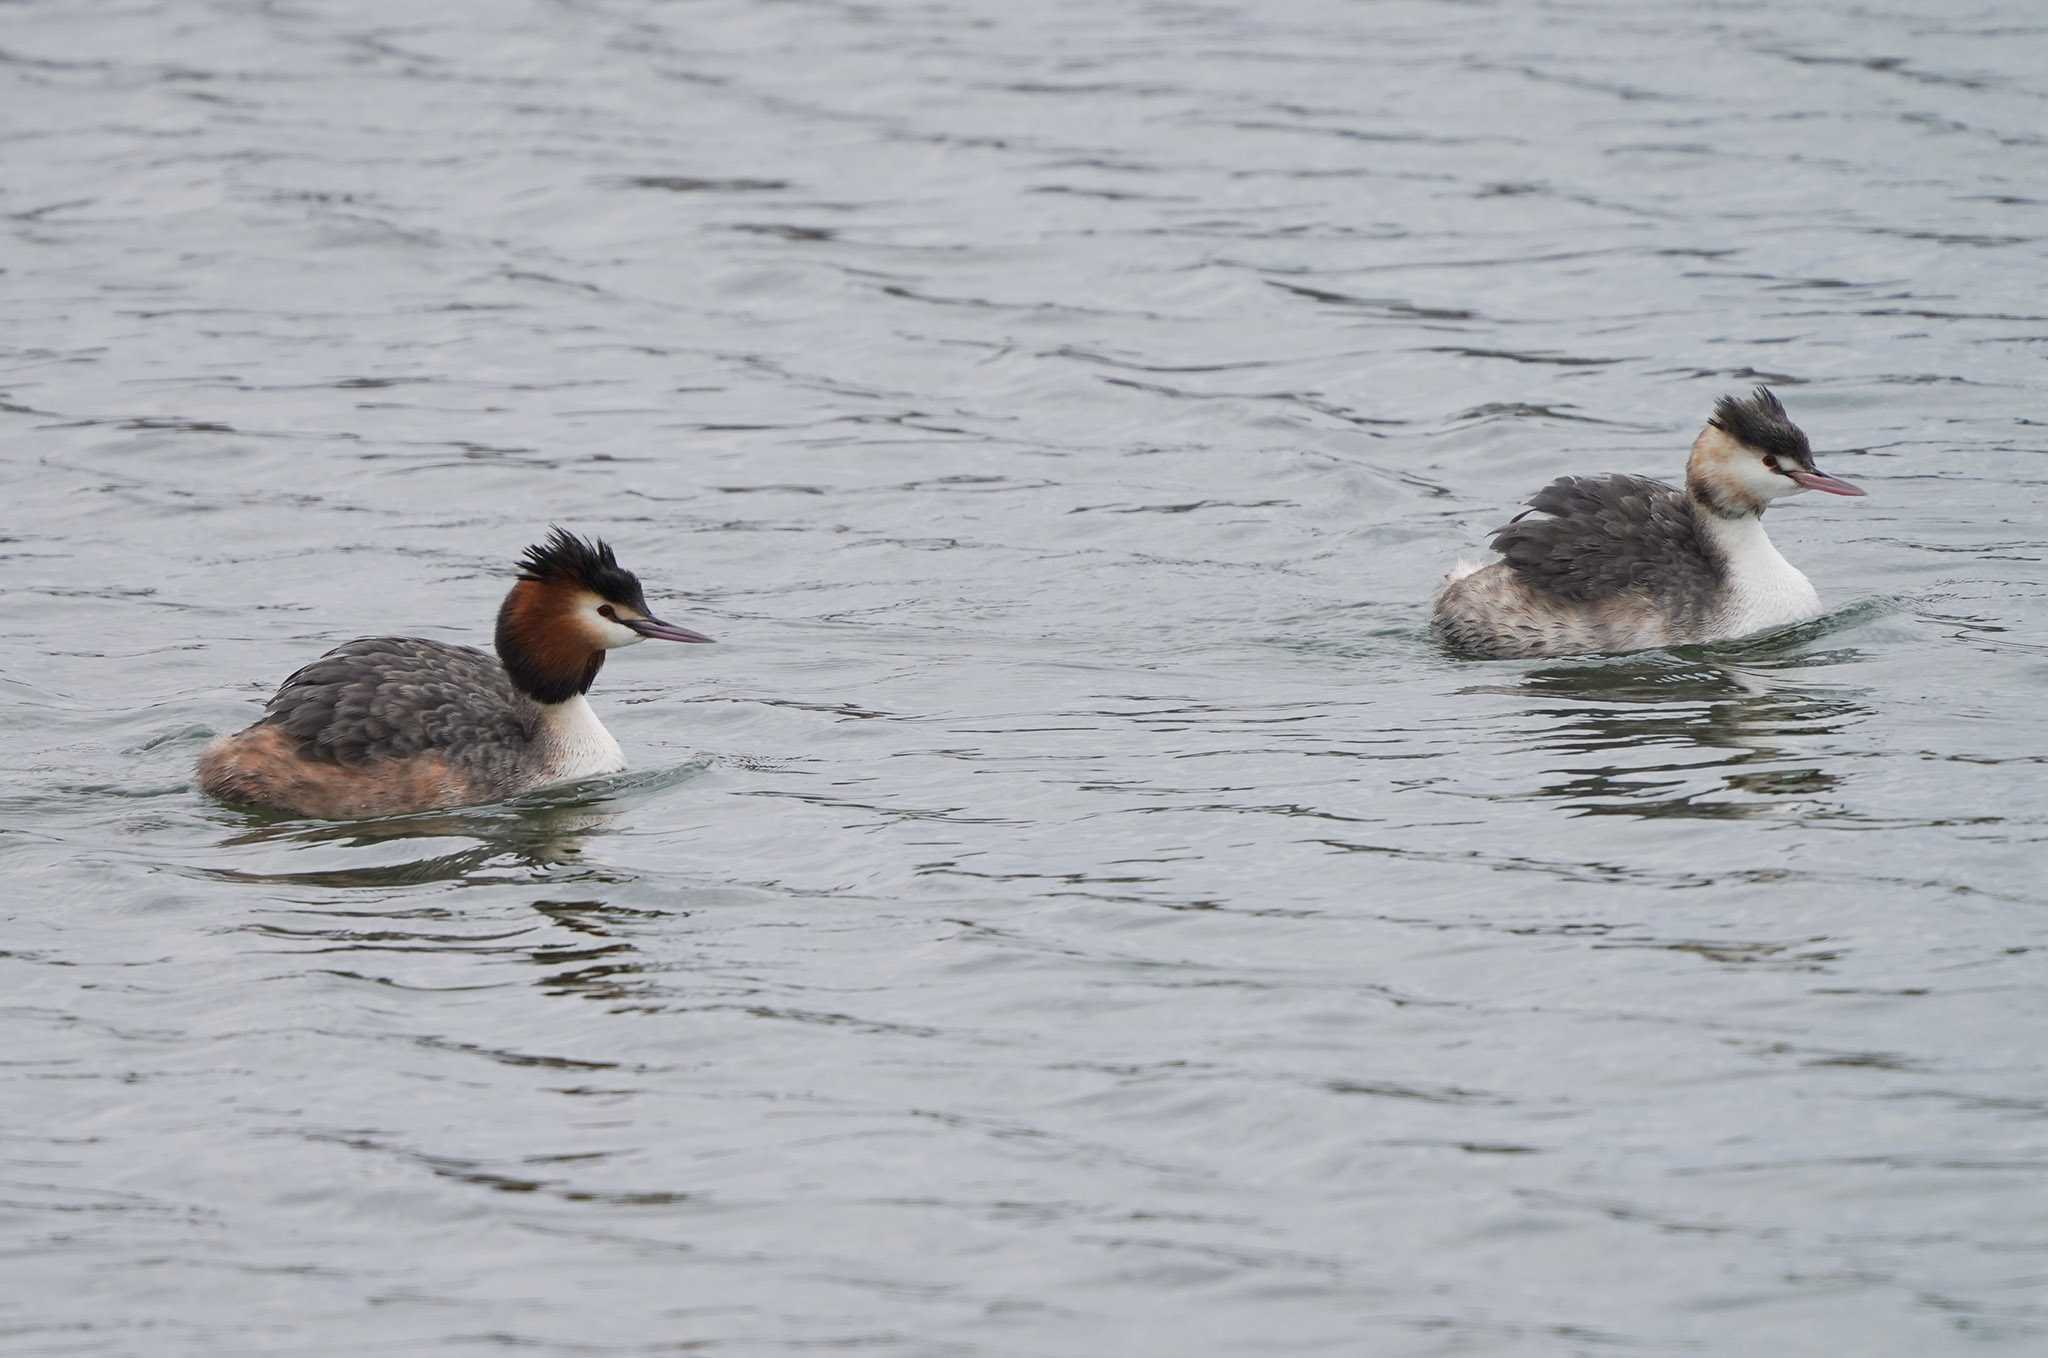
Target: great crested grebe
x=1623, y=563
x=390, y=725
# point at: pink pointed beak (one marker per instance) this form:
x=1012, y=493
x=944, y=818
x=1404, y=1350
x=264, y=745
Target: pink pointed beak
x=668, y=631
x=1819, y=480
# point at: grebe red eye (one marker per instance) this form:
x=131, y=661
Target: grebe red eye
x=605, y=611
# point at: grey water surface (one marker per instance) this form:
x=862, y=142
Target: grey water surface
x=1075, y=910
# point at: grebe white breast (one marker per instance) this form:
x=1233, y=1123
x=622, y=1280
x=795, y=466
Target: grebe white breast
x=391, y=725
x=1623, y=563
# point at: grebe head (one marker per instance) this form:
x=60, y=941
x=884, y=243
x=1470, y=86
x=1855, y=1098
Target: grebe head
x=573, y=602
x=1750, y=454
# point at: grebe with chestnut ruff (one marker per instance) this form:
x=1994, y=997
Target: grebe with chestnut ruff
x=1624, y=563
x=391, y=725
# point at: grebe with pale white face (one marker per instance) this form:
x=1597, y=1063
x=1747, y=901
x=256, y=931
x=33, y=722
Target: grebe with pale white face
x=392, y=725
x=1623, y=563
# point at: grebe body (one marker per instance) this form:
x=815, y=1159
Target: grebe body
x=392, y=725
x=1625, y=563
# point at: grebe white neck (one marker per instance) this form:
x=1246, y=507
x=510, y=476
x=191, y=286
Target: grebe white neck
x=575, y=744
x=1760, y=589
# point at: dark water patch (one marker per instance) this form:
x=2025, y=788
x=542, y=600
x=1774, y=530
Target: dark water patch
x=1520, y=410
x=1391, y=307
x=785, y=231
x=672, y=183
x=1519, y=356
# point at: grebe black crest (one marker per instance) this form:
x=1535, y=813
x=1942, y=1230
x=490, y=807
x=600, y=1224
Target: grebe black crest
x=589, y=562
x=391, y=725
x=1622, y=563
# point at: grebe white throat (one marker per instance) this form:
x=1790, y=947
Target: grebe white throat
x=1761, y=590
x=577, y=743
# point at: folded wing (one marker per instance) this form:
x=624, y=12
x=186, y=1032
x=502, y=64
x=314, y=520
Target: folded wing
x=1585, y=539
x=391, y=697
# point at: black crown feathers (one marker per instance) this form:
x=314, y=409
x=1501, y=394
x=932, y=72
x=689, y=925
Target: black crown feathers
x=590, y=562
x=1761, y=422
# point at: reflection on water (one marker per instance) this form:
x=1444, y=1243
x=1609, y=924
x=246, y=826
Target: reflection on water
x=602, y=964
x=553, y=839
x=536, y=841
x=540, y=837
x=1687, y=738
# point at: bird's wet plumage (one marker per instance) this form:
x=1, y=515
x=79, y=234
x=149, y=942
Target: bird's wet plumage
x=1622, y=563
x=1587, y=538
x=426, y=721
x=392, y=725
